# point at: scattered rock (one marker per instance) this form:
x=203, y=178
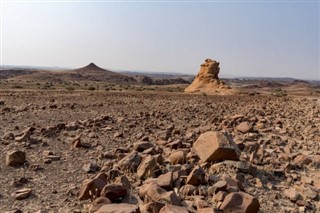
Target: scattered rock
x=196, y=177
x=114, y=192
x=118, y=208
x=177, y=157
x=166, y=181
x=215, y=146
x=22, y=194
x=90, y=167
x=15, y=158
x=130, y=161
x=147, y=167
x=173, y=209
x=240, y=202
x=292, y=194
x=244, y=127
x=92, y=188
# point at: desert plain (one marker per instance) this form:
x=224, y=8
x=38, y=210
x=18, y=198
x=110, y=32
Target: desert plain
x=84, y=145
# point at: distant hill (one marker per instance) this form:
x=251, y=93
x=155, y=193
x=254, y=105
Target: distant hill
x=92, y=72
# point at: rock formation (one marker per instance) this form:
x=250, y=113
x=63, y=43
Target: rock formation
x=207, y=79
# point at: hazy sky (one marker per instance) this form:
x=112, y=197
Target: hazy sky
x=249, y=38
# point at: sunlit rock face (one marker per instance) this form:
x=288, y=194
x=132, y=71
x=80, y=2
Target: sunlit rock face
x=207, y=79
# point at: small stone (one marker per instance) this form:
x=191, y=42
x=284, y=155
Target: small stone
x=309, y=193
x=14, y=211
x=187, y=189
x=97, y=203
x=219, y=196
x=90, y=167
x=15, y=158
x=92, y=188
x=113, y=191
x=244, y=127
x=8, y=136
x=177, y=157
x=220, y=186
x=196, y=177
x=175, y=144
x=147, y=168
x=118, y=135
x=259, y=184
x=141, y=146
x=166, y=181
x=206, y=210
x=130, y=161
x=292, y=194
x=22, y=194
x=302, y=160
x=118, y=208
x=173, y=209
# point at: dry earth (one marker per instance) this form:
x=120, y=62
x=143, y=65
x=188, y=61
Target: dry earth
x=279, y=139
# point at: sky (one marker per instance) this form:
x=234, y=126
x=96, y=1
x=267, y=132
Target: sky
x=248, y=38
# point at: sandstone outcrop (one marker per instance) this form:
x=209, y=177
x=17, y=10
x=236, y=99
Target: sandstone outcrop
x=207, y=80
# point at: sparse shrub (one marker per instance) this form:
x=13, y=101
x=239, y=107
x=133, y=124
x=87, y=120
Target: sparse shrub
x=279, y=92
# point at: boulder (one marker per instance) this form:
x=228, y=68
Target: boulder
x=240, y=202
x=215, y=146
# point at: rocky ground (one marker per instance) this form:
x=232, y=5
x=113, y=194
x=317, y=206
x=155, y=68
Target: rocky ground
x=148, y=152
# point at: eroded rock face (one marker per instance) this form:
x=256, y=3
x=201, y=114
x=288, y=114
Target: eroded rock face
x=207, y=79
